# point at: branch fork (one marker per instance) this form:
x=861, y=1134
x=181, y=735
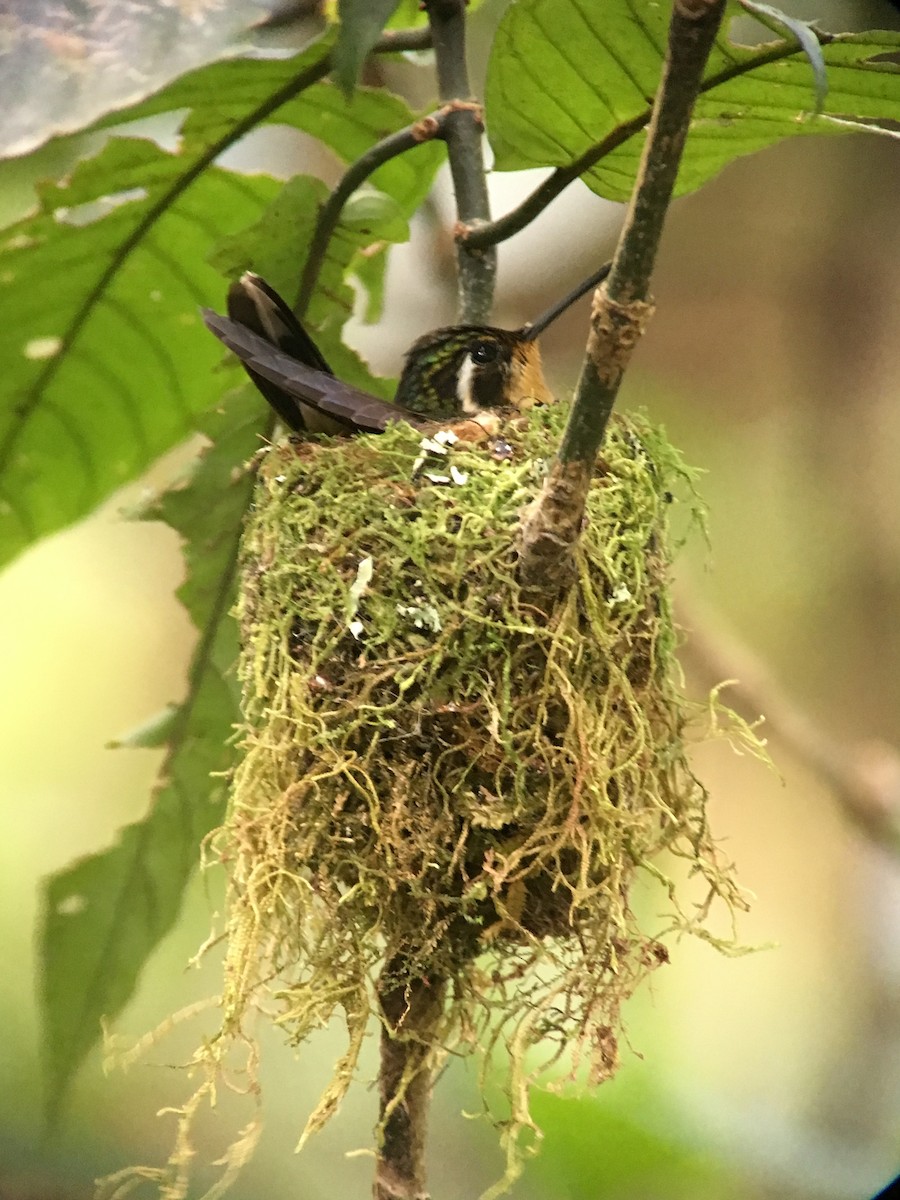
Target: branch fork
x=621, y=307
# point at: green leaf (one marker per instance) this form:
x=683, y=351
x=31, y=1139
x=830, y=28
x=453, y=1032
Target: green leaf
x=376, y=216
x=361, y=24
x=106, y=361
x=409, y=14
x=369, y=265
x=220, y=96
x=623, y=1145
x=104, y=915
x=568, y=80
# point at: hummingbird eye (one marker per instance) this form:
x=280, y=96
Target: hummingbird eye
x=483, y=353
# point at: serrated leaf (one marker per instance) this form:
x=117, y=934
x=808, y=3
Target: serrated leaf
x=219, y=97
x=103, y=916
x=549, y=106
x=106, y=362
x=361, y=23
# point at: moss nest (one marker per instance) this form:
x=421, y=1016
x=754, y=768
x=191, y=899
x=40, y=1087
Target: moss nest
x=437, y=774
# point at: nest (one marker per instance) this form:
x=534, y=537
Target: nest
x=439, y=775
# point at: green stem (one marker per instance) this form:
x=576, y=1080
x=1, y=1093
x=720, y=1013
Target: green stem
x=396, y=143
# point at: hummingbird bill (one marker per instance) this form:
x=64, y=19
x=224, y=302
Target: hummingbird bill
x=455, y=373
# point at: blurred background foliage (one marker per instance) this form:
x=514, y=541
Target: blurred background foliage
x=774, y=362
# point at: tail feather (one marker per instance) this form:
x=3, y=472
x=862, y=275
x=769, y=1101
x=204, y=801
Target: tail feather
x=305, y=398
x=258, y=307
x=252, y=302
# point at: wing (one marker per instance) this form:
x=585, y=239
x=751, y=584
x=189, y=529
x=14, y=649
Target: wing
x=293, y=384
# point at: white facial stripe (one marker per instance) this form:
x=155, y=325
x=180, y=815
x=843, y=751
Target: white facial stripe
x=467, y=401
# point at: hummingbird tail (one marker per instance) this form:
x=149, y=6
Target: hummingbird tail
x=252, y=302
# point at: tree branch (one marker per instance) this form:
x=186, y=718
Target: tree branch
x=411, y=1012
x=621, y=309
x=396, y=143
x=864, y=779
x=476, y=267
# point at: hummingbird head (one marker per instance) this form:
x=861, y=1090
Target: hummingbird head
x=462, y=370
x=465, y=369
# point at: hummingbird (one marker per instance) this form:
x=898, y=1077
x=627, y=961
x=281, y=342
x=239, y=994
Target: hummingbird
x=453, y=373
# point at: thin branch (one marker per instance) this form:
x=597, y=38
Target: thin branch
x=476, y=267
x=400, y=41
x=411, y=1011
x=396, y=143
x=864, y=778
x=620, y=311
x=491, y=234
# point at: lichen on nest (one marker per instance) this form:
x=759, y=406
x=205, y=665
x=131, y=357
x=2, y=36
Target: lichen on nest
x=438, y=773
